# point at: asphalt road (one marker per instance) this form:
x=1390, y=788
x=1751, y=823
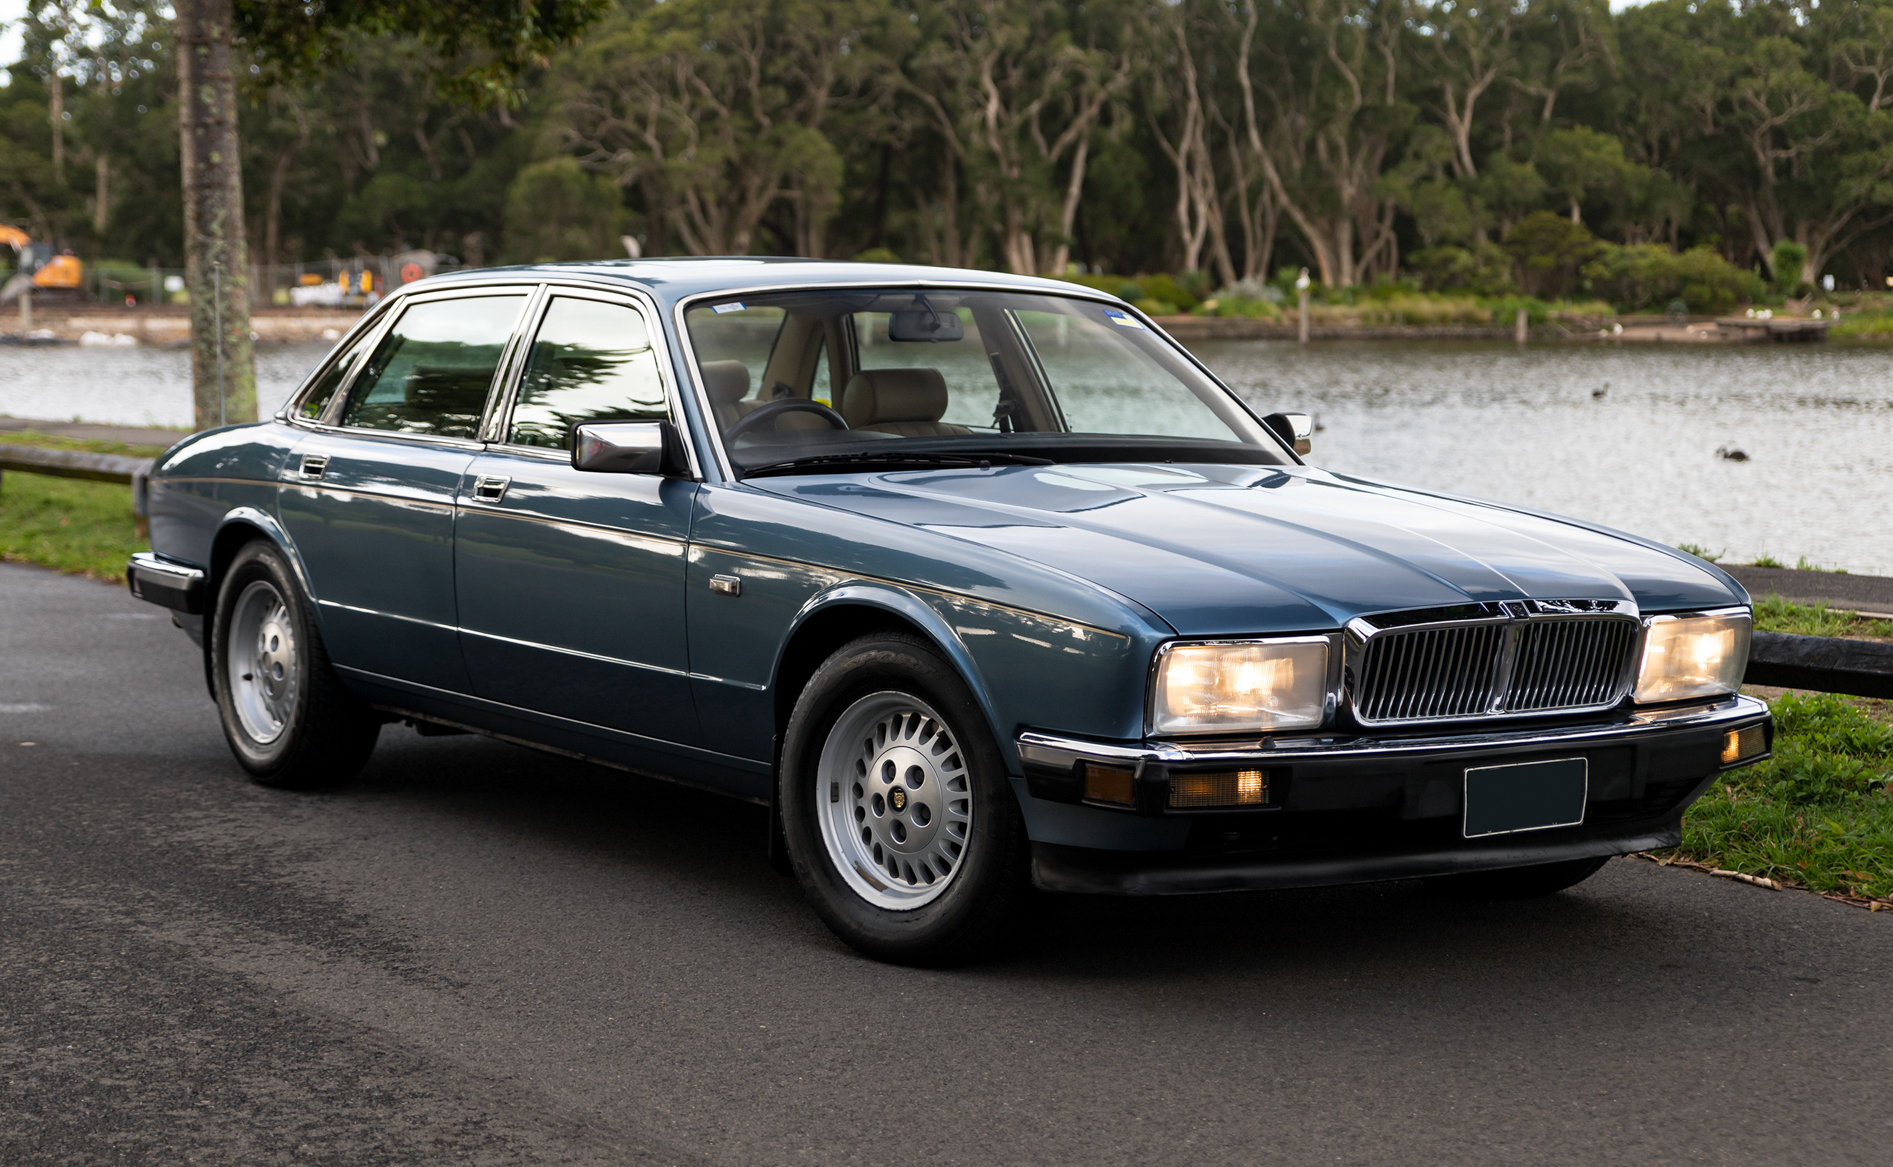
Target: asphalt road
x=480, y=954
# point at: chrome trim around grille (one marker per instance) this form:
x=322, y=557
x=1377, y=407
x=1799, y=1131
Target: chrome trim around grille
x=1514, y=658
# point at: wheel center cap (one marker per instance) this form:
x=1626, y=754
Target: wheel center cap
x=898, y=798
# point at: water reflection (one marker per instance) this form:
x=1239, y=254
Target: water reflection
x=1485, y=420
x=1532, y=428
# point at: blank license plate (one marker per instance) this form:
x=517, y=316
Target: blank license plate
x=1526, y=796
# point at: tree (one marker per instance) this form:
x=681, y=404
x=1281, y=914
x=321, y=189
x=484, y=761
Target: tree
x=483, y=48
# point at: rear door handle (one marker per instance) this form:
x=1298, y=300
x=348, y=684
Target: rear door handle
x=489, y=489
x=313, y=466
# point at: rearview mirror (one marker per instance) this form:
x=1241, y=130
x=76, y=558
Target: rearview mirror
x=1293, y=428
x=630, y=447
x=924, y=324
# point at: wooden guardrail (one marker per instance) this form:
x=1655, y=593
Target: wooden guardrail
x=80, y=464
x=1825, y=664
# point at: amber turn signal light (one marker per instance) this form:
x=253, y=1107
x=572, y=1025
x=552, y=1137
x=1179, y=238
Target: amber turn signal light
x=1225, y=788
x=1743, y=743
x=1108, y=784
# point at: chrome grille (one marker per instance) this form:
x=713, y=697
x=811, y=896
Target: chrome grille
x=1510, y=666
x=1569, y=664
x=1429, y=673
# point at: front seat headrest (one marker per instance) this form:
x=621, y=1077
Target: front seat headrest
x=725, y=381
x=874, y=396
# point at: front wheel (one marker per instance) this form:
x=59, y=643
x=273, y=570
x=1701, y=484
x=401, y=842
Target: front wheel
x=901, y=825
x=287, y=717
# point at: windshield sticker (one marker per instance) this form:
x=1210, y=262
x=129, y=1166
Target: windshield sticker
x=1122, y=319
x=720, y=309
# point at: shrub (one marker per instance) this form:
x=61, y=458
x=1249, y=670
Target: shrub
x=877, y=255
x=1645, y=275
x=1167, y=290
x=1550, y=249
x=1481, y=270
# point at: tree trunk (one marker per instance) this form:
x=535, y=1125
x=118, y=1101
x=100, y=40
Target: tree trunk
x=216, y=263
x=102, y=203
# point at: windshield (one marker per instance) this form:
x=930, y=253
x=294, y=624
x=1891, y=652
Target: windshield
x=803, y=381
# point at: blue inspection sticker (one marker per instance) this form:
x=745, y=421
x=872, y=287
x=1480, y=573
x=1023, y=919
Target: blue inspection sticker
x=1122, y=319
x=720, y=309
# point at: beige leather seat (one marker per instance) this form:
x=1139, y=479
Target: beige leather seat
x=907, y=402
x=727, y=382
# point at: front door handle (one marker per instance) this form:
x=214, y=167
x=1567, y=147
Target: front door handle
x=490, y=489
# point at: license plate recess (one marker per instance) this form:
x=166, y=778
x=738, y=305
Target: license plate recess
x=1525, y=796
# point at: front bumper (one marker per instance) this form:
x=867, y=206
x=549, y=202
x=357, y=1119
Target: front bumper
x=1356, y=809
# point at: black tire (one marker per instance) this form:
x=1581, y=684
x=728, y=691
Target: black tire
x=326, y=733
x=988, y=885
x=1517, y=883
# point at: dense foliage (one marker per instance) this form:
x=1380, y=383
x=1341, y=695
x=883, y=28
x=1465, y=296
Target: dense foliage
x=1675, y=151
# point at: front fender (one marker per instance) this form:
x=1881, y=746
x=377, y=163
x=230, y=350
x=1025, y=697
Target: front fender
x=909, y=607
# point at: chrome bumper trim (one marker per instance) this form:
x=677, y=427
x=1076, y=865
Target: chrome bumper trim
x=1055, y=751
x=172, y=585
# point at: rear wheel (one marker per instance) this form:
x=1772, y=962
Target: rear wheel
x=1517, y=883
x=900, y=822
x=287, y=717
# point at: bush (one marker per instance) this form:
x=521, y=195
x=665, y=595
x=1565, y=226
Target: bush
x=1550, y=249
x=1649, y=275
x=1481, y=270
x=558, y=210
x=1167, y=290
x=877, y=255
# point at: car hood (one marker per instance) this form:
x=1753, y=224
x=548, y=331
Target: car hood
x=1224, y=550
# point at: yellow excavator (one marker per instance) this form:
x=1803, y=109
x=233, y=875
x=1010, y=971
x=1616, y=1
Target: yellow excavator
x=38, y=267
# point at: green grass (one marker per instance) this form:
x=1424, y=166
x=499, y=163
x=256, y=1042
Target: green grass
x=1774, y=614
x=1819, y=813
x=68, y=524
x=88, y=445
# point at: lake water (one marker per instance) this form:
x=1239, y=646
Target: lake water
x=1480, y=419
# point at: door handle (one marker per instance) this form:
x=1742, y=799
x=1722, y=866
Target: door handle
x=314, y=465
x=489, y=489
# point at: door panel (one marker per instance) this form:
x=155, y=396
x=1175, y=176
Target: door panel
x=571, y=594
x=375, y=532
x=371, y=510
x=571, y=583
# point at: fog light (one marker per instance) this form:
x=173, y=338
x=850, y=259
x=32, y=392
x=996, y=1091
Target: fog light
x=1108, y=784
x=1743, y=743
x=1229, y=788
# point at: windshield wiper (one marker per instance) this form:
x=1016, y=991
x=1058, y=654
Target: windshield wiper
x=874, y=458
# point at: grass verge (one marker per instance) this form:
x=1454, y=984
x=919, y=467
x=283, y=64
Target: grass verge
x=1774, y=614
x=68, y=524
x=1818, y=814
x=88, y=445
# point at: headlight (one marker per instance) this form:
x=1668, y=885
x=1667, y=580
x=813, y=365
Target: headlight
x=1252, y=685
x=1693, y=656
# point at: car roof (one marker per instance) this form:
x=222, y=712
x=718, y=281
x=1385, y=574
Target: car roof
x=669, y=280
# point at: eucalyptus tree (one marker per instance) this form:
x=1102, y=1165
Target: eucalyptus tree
x=1328, y=106
x=715, y=110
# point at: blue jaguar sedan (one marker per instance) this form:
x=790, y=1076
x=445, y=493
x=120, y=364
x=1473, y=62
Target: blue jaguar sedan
x=980, y=583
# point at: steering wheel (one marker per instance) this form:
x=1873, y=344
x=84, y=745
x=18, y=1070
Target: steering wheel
x=775, y=409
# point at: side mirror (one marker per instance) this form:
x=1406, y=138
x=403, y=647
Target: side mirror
x=1293, y=428
x=630, y=447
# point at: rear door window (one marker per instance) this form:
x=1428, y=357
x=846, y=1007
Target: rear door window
x=591, y=361
x=433, y=370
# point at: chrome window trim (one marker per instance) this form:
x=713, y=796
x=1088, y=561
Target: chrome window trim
x=1511, y=616
x=1162, y=651
x=701, y=397
x=501, y=404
